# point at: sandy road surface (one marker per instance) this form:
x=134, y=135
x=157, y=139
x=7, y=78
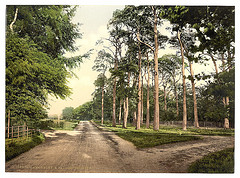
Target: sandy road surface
x=88, y=149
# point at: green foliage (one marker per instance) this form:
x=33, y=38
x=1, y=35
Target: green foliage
x=67, y=113
x=84, y=111
x=48, y=124
x=20, y=145
x=50, y=27
x=64, y=125
x=35, y=66
x=217, y=162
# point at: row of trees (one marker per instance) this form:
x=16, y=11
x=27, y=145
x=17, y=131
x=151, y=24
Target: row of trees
x=199, y=34
x=37, y=37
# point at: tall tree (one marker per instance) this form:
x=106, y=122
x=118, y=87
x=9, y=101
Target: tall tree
x=100, y=82
x=184, y=123
x=102, y=63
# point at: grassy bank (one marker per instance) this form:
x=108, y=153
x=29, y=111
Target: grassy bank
x=17, y=146
x=217, y=162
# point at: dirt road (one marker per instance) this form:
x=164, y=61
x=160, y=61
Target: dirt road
x=88, y=149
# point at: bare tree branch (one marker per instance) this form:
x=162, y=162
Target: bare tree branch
x=138, y=38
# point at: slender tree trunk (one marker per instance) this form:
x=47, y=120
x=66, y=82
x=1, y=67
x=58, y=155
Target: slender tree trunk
x=176, y=96
x=214, y=63
x=14, y=20
x=139, y=89
x=120, y=112
x=126, y=106
x=196, y=124
x=165, y=98
x=225, y=99
x=135, y=118
x=114, y=104
x=142, y=103
x=102, y=104
x=125, y=112
x=156, y=101
x=226, y=120
x=148, y=80
x=184, y=124
x=114, y=93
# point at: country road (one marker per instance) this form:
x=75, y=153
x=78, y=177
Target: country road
x=88, y=149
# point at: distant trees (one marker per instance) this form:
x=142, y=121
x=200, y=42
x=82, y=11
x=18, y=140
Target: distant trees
x=67, y=113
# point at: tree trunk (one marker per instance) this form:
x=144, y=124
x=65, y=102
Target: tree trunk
x=139, y=89
x=135, y=118
x=102, y=104
x=120, y=112
x=214, y=63
x=176, y=96
x=226, y=120
x=148, y=80
x=114, y=93
x=14, y=20
x=126, y=106
x=125, y=113
x=196, y=124
x=184, y=123
x=225, y=99
x=142, y=103
x=165, y=98
x=156, y=101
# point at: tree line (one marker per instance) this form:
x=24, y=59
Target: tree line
x=144, y=87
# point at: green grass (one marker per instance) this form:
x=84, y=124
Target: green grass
x=144, y=138
x=49, y=124
x=64, y=125
x=17, y=146
x=166, y=134
x=217, y=162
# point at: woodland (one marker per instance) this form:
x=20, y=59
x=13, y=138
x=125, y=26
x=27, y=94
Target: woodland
x=135, y=84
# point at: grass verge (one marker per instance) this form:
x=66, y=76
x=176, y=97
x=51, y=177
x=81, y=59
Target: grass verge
x=17, y=146
x=217, y=162
x=144, y=138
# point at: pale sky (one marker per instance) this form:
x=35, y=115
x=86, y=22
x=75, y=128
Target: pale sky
x=94, y=21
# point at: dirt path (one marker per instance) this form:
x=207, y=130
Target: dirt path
x=88, y=149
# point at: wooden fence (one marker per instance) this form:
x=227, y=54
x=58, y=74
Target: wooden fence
x=19, y=131
x=201, y=124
